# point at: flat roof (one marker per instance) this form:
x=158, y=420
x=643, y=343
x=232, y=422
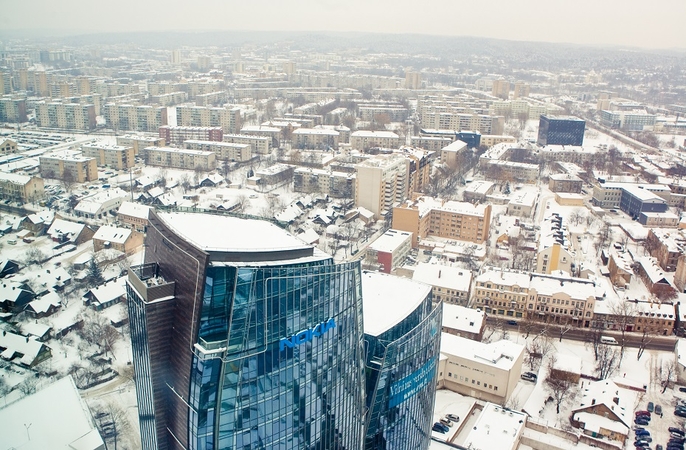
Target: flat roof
x=390, y=241
x=496, y=428
x=230, y=234
x=443, y=276
x=58, y=417
x=388, y=299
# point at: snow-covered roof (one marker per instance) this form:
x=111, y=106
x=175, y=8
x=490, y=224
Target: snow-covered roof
x=15, y=178
x=504, y=277
x=374, y=134
x=618, y=400
x=134, y=210
x=109, y=291
x=388, y=299
x=289, y=214
x=390, y=241
x=309, y=236
x=577, y=288
x=93, y=203
x=496, y=428
x=42, y=304
x=58, y=418
x=461, y=318
x=230, y=234
x=501, y=354
x=112, y=234
x=567, y=363
x=16, y=344
x=42, y=217
x=443, y=276
x=61, y=227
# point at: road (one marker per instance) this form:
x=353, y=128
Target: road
x=665, y=343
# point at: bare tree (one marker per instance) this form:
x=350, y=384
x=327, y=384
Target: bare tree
x=560, y=385
x=623, y=316
x=538, y=348
x=68, y=180
x=667, y=374
x=646, y=338
x=595, y=334
x=97, y=330
x=34, y=255
x=243, y=203
x=111, y=422
x=609, y=358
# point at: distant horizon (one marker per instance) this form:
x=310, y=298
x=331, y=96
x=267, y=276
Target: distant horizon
x=42, y=33
x=609, y=23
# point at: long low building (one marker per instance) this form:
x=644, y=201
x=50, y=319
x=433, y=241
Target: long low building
x=227, y=151
x=180, y=158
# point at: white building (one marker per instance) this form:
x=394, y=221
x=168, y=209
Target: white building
x=97, y=205
x=362, y=140
x=484, y=371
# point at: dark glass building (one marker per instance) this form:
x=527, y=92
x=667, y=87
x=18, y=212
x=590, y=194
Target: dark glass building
x=244, y=338
x=402, y=341
x=560, y=130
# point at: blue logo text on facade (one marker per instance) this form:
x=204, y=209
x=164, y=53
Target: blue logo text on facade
x=307, y=335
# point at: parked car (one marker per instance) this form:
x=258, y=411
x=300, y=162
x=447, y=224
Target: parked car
x=446, y=422
x=641, y=421
x=512, y=322
x=659, y=447
x=453, y=417
x=641, y=444
x=679, y=440
x=677, y=431
x=658, y=409
x=529, y=376
x=642, y=432
x=440, y=428
x=682, y=388
x=680, y=412
x=651, y=407
x=642, y=413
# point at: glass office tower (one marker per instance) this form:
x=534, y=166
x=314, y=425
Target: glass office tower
x=402, y=342
x=244, y=338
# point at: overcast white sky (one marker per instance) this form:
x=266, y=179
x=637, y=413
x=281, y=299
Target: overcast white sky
x=642, y=23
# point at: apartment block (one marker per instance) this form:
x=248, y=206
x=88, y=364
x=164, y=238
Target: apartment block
x=260, y=144
x=315, y=138
x=172, y=98
x=180, y=158
x=228, y=119
x=135, y=118
x=224, y=150
x=362, y=140
x=13, y=110
x=332, y=183
x=382, y=182
x=107, y=155
x=138, y=143
x=68, y=165
x=427, y=216
x=177, y=135
x=68, y=116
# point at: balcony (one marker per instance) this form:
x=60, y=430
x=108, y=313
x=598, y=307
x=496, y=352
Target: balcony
x=149, y=284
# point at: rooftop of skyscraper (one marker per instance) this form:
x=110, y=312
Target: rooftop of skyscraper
x=230, y=234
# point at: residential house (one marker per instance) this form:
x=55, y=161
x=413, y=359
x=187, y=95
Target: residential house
x=122, y=239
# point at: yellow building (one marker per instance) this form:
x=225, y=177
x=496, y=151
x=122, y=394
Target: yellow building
x=114, y=156
x=68, y=165
x=21, y=188
x=434, y=217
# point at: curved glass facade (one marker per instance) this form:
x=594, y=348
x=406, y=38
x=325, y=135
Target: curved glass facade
x=401, y=372
x=278, y=361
